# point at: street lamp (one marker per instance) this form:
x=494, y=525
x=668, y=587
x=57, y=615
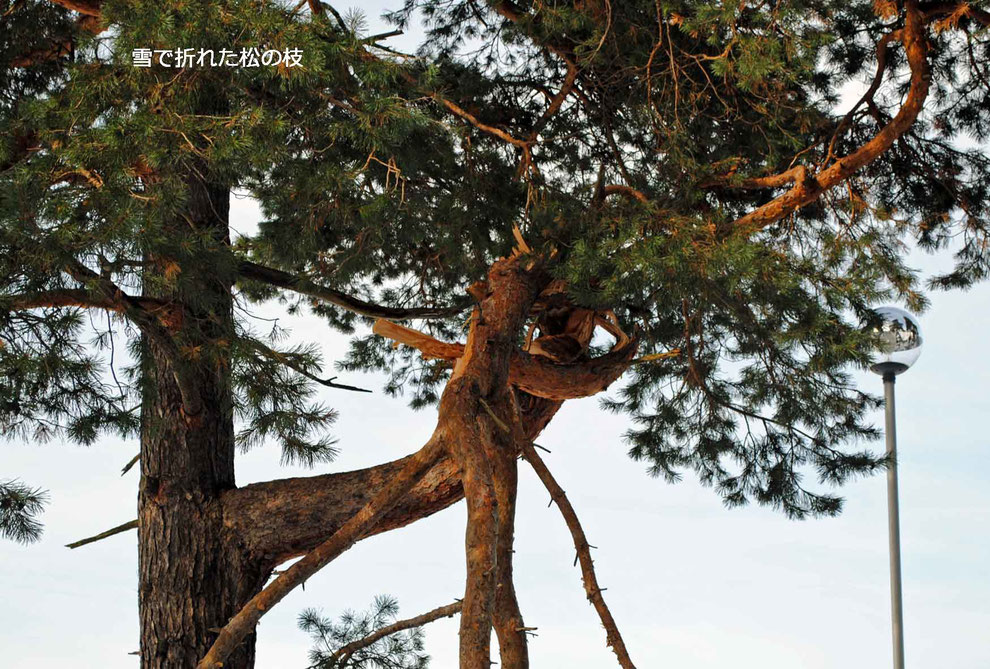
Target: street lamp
x=900, y=345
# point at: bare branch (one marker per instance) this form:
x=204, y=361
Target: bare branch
x=285, y=360
x=507, y=617
x=591, y=587
x=129, y=525
x=130, y=463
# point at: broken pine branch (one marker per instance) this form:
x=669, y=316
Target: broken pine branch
x=129, y=525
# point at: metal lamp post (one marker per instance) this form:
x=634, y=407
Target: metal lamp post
x=900, y=346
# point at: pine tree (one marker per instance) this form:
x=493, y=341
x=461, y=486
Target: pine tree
x=676, y=175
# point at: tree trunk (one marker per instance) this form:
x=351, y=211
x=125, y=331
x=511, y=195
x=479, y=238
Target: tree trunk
x=507, y=619
x=193, y=574
x=477, y=391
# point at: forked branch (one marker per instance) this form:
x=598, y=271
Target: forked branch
x=807, y=187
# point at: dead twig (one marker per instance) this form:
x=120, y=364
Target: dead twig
x=129, y=525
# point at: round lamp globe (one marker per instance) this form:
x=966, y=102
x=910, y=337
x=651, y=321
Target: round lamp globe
x=900, y=341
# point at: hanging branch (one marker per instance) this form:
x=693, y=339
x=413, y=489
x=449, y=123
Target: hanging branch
x=581, y=545
x=507, y=619
x=279, y=279
x=245, y=620
x=278, y=356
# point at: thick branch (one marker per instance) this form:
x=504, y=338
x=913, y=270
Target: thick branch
x=807, y=187
x=627, y=191
x=883, y=48
x=78, y=297
x=87, y=7
x=279, y=520
x=244, y=622
x=280, y=279
x=507, y=617
x=481, y=449
x=344, y=653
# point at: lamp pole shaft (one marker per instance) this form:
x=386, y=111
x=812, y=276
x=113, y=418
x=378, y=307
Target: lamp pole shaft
x=894, y=525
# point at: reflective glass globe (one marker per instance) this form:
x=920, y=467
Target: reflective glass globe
x=900, y=341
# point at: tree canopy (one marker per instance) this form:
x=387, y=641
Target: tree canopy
x=728, y=189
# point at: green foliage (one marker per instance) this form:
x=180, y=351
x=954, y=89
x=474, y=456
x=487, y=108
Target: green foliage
x=684, y=101
x=402, y=650
x=371, y=186
x=19, y=506
x=274, y=399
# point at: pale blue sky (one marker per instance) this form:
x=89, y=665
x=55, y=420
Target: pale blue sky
x=691, y=584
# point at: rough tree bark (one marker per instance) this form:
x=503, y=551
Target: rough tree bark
x=193, y=573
